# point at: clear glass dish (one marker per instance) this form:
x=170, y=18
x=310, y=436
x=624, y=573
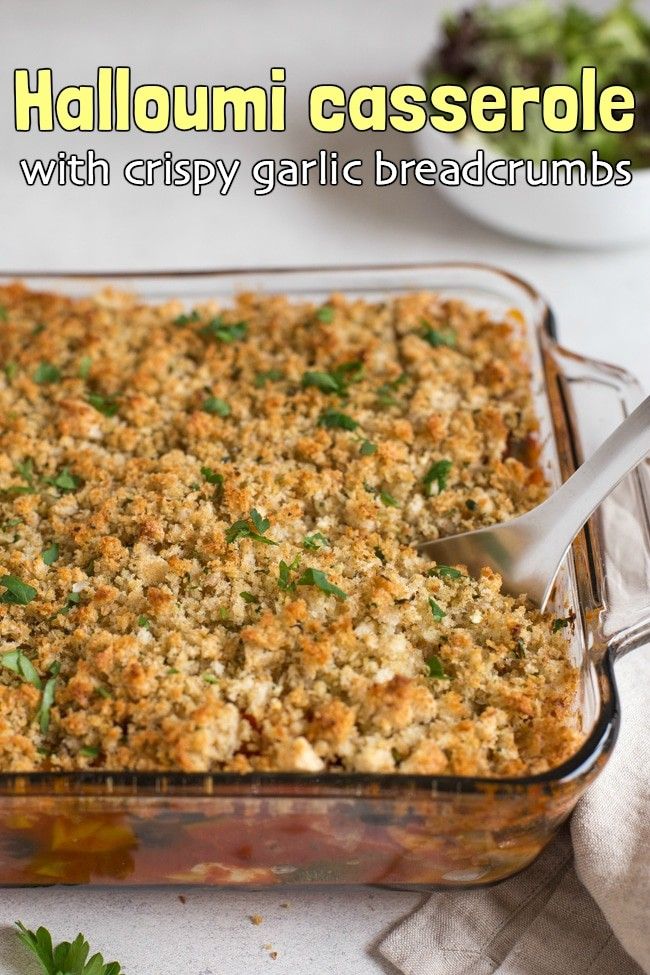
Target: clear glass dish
x=262, y=829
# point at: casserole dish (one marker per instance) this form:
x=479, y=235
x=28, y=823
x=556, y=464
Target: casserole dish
x=288, y=828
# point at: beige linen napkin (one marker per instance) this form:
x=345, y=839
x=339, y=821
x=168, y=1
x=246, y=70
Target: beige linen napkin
x=583, y=908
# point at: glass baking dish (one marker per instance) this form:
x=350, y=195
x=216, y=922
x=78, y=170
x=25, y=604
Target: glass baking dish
x=294, y=828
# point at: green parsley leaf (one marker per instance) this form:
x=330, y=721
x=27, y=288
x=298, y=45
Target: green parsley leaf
x=520, y=649
x=261, y=524
x=388, y=500
x=436, y=668
x=285, y=583
x=216, y=406
x=89, y=752
x=324, y=381
x=26, y=471
x=16, y=661
x=4, y=314
x=51, y=554
x=333, y=420
x=271, y=375
x=210, y=476
x=144, y=622
x=445, y=572
x=18, y=593
x=248, y=597
x=219, y=330
x=438, y=612
x=314, y=577
x=470, y=505
x=47, y=373
x=11, y=370
x=47, y=701
x=187, y=319
x=242, y=529
x=368, y=448
x=436, y=338
x=106, y=405
x=380, y=555
x=437, y=474
x=210, y=678
x=311, y=543
x=64, y=481
x=325, y=314
x=74, y=598
x=68, y=958
x=385, y=392
x=558, y=624
x=103, y=692
x=85, y=365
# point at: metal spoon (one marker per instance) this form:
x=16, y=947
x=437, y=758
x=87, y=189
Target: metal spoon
x=527, y=551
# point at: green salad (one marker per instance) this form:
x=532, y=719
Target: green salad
x=530, y=43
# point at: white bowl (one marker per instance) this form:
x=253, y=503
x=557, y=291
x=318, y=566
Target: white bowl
x=583, y=216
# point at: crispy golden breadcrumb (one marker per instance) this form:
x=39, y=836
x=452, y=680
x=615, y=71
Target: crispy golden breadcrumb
x=216, y=511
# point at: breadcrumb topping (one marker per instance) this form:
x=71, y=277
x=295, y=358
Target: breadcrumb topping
x=207, y=522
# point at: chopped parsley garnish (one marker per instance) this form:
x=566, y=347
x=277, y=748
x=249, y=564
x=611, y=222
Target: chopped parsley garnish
x=4, y=314
x=285, y=582
x=25, y=470
x=104, y=692
x=437, y=474
x=558, y=624
x=333, y=420
x=106, y=405
x=11, y=370
x=248, y=597
x=16, y=661
x=436, y=338
x=210, y=678
x=68, y=957
x=74, y=598
x=216, y=406
x=271, y=375
x=85, y=365
x=388, y=500
x=47, y=700
x=470, y=505
x=336, y=381
x=64, y=481
x=385, y=392
x=144, y=622
x=187, y=319
x=50, y=554
x=18, y=593
x=242, y=528
x=385, y=497
x=445, y=572
x=520, y=649
x=314, y=577
x=46, y=373
x=311, y=543
x=380, y=555
x=222, y=332
x=368, y=448
x=438, y=612
x=325, y=314
x=436, y=668
x=211, y=477
x=89, y=752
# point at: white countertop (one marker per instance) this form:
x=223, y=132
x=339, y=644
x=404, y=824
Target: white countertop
x=602, y=300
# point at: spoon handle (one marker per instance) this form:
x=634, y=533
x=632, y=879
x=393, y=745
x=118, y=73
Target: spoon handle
x=577, y=499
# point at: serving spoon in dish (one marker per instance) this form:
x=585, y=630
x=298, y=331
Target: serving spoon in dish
x=527, y=552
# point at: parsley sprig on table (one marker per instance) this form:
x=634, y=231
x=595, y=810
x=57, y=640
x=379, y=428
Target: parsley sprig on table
x=67, y=958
